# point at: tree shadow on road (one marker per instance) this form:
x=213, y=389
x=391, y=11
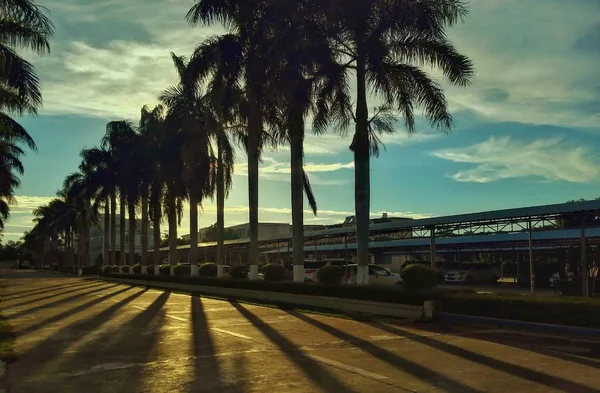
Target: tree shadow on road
x=509, y=368
x=53, y=295
x=38, y=291
x=425, y=374
x=50, y=305
x=53, y=347
x=315, y=371
x=69, y=312
x=207, y=369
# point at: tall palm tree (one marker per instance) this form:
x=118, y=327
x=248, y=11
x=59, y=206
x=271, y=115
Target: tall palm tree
x=191, y=113
x=385, y=42
x=151, y=130
x=238, y=57
x=117, y=140
x=98, y=164
x=25, y=26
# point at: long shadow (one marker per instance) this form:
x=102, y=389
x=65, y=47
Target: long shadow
x=51, y=348
x=37, y=291
x=56, y=302
x=69, y=312
x=203, y=350
x=312, y=369
x=509, y=368
x=416, y=370
x=132, y=342
x=44, y=297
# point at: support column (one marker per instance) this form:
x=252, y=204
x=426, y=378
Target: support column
x=584, y=266
x=531, y=271
x=432, y=247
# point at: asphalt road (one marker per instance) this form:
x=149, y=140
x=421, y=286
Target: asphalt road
x=79, y=335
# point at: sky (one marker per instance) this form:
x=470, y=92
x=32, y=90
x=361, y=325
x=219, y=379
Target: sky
x=527, y=130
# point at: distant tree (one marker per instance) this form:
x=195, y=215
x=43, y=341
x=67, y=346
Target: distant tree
x=164, y=241
x=211, y=234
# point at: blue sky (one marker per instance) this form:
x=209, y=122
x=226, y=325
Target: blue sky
x=527, y=130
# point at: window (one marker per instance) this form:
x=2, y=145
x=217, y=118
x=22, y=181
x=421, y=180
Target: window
x=378, y=271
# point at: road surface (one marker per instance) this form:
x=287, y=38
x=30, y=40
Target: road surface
x=78, y=335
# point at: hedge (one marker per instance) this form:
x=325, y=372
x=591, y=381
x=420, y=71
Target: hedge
x=559, y=310
x=273, y=272
x=208, y=269
x=330, y=275
x=418, y=277
x=182, y=269
x=239, y=272
x=392, y=294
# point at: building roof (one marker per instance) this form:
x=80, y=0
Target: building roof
x=458, y=240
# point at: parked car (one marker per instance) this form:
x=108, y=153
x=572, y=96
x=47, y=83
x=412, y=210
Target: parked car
x=471, y=273
x=326, y=262
x=378, y=275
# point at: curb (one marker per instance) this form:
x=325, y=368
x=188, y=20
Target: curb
x=509, y=323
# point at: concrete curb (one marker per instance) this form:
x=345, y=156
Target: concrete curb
x=509, y=323
x=332, y=303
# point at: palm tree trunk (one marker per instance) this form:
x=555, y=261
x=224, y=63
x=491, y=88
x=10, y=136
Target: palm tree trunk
x=156, y=228
x=362, y=180
x=254, y=135
x=122, y=224
x=106, y=248
x=296, y=129
x=194, y=200
x=220, y=206
x=113, y=229
x=172, y=216
x=131, y=208
x=144, y=231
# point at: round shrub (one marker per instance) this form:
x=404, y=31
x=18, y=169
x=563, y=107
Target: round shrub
x=208, y=269
x=273, y=272
x=116, y=269
x=107, y=269
x=124, y=269
x=419, y=277
x=150, y=269
x=164, y=270
x=137, y=269
x=182, y=269
x=239, y=272
x=330, y=275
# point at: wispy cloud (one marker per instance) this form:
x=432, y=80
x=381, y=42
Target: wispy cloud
x=272, y=169
x=505, y=158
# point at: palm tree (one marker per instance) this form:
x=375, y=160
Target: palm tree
x=24, y=26
x=385, y=42
x=239, y=58
x=151, y=130
x=117, y=140
x=98, y=164
x=191, y=112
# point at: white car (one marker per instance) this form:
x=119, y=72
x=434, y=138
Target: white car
x=471, y=273
x=378, y=275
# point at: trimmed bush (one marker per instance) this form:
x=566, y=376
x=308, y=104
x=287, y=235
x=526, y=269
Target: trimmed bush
x=116, y=269
x=137, y=269
x=389, y=294
x=182, y=269
x=107, y=269
x=125, y=269
x=90, y=270
x=208, y=269
x=150, y=269
x=239, y=272
x=274, y=272
x=164, y=270
x=560, y=310
x=418, y=277
x=330, y=275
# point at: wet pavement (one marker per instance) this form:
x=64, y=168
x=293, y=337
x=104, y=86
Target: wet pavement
x=78, y=335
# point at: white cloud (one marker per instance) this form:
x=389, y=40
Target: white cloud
x=505, y=158
x=272, y=169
